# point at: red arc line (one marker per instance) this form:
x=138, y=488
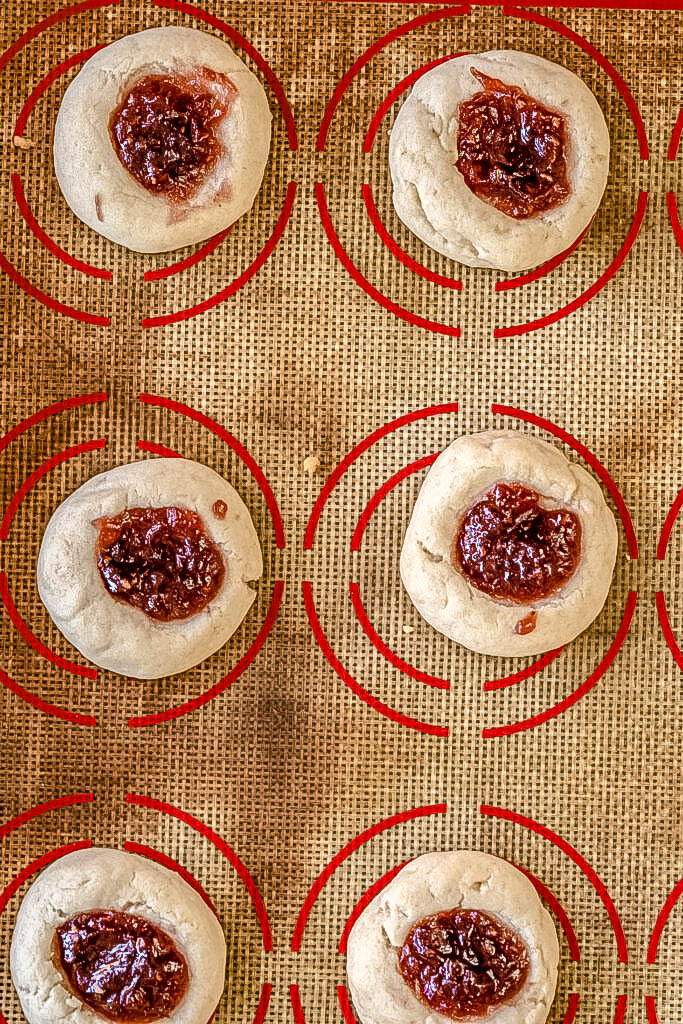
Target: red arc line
x=676, y=137
x=593, y=462
x=346, y=851
x=558, y=910
x=576, y=695
x=545, y=268
x=386, y=651
x=158, y=449
x=47, y=300
x=246, y=275
x=364, y=901
x=43, y=705
x=47, y=412
x=663, y=917
x=37, y=645
x=667, y=631
x=297, y=1009
x=372, y=51
x=263, y=1003
x=45, y=808
x=189, y=261
x=675, y=219
x=37, y=865
x=172, y=865
x=45, y=83
x=236, y=446
x=620, y=1011
x=400, y=311
x=400, y=254
x=651, y=1010
x=358, y=449
x=525, y=673
x=607, y=67
x=581, y=300
x=381, y=493
x=227, y=680
x=572, y=1007
x=38, y=473
x=60, y=15
x=581, y=863
x=669, y=525
x=345, y=1005
x=222, y=847
x=353, y=684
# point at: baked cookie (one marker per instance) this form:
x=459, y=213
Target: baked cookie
x=510, y=548
x=454, y=936
x=106, y=935
x=162, y=139
x=499, y=159
x=146, y=568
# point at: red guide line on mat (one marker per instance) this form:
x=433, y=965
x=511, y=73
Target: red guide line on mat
x=620, y=1011
x=50, y=410
x=41, y=471
x=386, y=651
x=346, y=851
x=158, y=449
x=576, y=695
x=353, y=684
x=545, y=268
x=172, y=865
x=345, y=1005
x=45, y=240
x=362, y=281
x=358, y=449
x=189, y=261
x=675, y=219
x=389, y=100
x=581, y=863
x=61, y=15
x=400, y=254
x=572, y=1007
x=297, y=1008
x=592, y=51
x=242, y=665
x=244, y=277
x=262, y=1008
x=593, y=462
x=372, y=51
x=367, y=898
x=42, y=705
x=381, y=493
x=222, y=847
x=669, y=524
x=32, y=640
x=250, y=50
x=37, y=865
x=45, y=83
x=558, y=910
x=524, y=673
x=676, y=137
x=667, y=631
x=47, y=300
x=237, y=447
x=581, y=300
x=651, y=1010
x=663, y=917
x=45, y=808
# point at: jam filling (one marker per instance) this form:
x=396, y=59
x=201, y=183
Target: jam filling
x=164, y=130
x=219, y=509
x=512, y=150
x=463, y=963
x=122, y=966
x=160, y=560
x=513, y=548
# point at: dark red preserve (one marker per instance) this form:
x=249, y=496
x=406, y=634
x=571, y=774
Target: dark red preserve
x=122, y=966
x=513, y=548
x=463, y=963
x=512, y=151
x=160, y=560
x=164, y=130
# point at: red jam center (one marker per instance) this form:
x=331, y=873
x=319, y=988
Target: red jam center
x=514, y=549
x=122, y=966
x=463, y=963
x=164, y=130
x=160, y=560
x=512, y=150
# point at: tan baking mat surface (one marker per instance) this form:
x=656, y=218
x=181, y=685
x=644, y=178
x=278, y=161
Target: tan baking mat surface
x=299, y=754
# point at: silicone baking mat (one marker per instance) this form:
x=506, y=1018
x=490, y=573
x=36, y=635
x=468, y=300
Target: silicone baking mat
x=336, y=735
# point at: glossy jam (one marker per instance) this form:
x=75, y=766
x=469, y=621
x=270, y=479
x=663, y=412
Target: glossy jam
x=513, y=548
x=463, y=963
x=164, y=130
x=526, y=625
x=512, y=151
x=123, y=967
x=219, y=509
x=160, y=560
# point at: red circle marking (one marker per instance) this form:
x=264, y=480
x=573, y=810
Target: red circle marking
x=47, y=300
x=651, y=1009
x=592, y=51
x=47, y=412
x=60, y=15
x=252, y=53
x=345, y=1005
x=41, y=471
x=43, y=705
x=189, y=261
x=214, y=691
x=45, y=808
x=244, y=277
x=381, y=493
x=669, y=525
x=663, y=917
x=353, y=684
x=222, y=847
x=372, y=51
x=675, y=219
x=525, y=673
x=593, y=462
x=667, y=631
x=400, y=254
x=158, y=449
x=362, y=281
x=44, y=84
x=37, y=645
x=297, y=1009
x=676, y=137
x=346, y=851
x=37, y=865
x=586, y=296
x=576, y=695
x=364, y=901
x=385, y=651
x=581, y=863
x=264, y=1001
x=172, y=865
x=545, y=268
x=558, y=910
x=358, y=449
x=236, y=446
